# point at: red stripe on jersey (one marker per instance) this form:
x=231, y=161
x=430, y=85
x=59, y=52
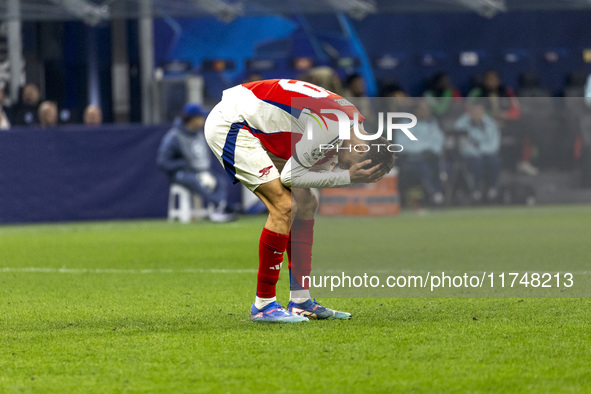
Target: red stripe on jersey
x=280, y=144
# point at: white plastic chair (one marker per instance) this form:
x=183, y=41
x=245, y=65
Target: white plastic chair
x=183, y=205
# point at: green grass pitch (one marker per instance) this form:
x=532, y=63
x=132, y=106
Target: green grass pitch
x=150, y=306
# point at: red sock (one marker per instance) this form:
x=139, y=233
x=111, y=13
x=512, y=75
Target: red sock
x=299, y=253
x=271, y=248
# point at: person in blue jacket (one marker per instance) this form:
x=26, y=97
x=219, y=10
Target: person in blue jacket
x=184, y=156
x=480, y=149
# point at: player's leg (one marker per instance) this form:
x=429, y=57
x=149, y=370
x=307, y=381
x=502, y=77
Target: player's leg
x=273, y=241
x=299, y=247
x=272, y=246
x=245, y=160
x=299, y=252
x=277, y=199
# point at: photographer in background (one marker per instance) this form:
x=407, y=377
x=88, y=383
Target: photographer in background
x=4, y=122
x=184, y=156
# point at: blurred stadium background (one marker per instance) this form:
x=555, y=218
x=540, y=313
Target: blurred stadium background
x=140, y=61
x=106, y=301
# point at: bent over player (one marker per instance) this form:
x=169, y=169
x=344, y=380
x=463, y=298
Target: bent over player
x=280, y=138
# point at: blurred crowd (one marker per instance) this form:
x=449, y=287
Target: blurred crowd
x=465, y=141
x=32, y=110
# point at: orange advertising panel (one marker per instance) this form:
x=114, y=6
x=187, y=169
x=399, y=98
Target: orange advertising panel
x=374, y=199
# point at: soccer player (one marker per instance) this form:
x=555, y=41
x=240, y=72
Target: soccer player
x=277, y=138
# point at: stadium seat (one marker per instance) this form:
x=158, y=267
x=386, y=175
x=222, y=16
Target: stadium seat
x=183, y=205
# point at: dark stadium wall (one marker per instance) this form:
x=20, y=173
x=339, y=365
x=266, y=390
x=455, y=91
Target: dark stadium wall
x=81, y=40
x=77, y=173
x=73, y=173
x=57, y=58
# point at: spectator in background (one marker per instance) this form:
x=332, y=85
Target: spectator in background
x=26, y=111
x=395, y=98
x=4, y=122
x=355, y=86
x=325, y=77
x=423, y=156
x=184, y=156
x=441, y=94
x=392, y=89
x=355, y=90
x=502, y=105
x=93, y=116
x=480, y=149
x=48, y=114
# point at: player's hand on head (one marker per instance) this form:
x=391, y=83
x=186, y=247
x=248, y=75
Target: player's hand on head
x=363, y=173
x=382, y=171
